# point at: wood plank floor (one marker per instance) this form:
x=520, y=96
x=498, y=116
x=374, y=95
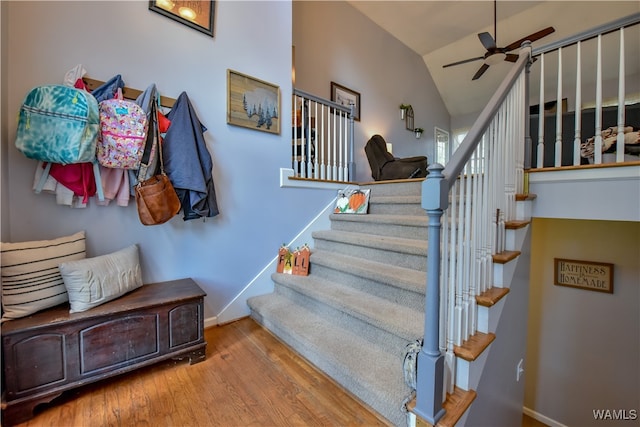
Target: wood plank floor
x=248, y=379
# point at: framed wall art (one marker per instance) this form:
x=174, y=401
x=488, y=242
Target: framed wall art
x=252, y=103
x=345, y=96
x=197, y=14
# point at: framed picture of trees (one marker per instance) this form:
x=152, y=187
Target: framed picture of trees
x=252, y=103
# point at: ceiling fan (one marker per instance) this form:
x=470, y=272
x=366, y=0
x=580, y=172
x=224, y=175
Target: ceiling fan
x=496, y=54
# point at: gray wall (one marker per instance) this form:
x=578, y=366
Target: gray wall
x=4, y=172
x=42, y=40
x=335, y=42
x=583, y=348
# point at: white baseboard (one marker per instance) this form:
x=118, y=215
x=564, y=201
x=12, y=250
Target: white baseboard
x=537, y=416
x=211, y=321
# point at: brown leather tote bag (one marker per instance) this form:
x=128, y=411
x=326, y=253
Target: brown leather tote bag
x=157, y=200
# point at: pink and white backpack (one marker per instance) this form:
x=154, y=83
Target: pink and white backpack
x=123, y=131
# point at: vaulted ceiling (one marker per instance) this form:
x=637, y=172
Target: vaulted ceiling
x=443, y=32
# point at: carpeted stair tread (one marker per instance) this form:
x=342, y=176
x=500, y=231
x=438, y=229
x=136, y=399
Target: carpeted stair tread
x=399, y=277
x=370, y=373
x=406, y=220
x=390, y=243
x=383, y=314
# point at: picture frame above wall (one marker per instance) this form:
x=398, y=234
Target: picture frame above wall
x=345, y=96
x=196, y=14
x=252, y=103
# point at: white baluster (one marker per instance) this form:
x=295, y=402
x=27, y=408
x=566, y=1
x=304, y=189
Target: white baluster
x=448, y=284
x=340, y=144
x=457, y=337
x=294, y=138
x=303, y=141
x=597, y=159
x=308, y=133
x=486, y=214
x=621, y=106
x=322, y=144
x=540, y=159
x=444, y=283
x=345, y=147
x=316, y=166
x=558, y=145
x=334, y=150
x=468, y=262
x=461, y=293
x=577, y=140
x=521, y=134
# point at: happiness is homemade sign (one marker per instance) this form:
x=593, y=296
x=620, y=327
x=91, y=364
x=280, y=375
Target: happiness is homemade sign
x=593, y=276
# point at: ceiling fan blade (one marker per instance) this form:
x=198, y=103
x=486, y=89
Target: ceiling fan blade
x=463, y=61
x=531, y=37
x=480, y=72
x=511, y=57
x=487, y=41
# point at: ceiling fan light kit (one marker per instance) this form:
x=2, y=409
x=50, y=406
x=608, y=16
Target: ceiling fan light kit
x=494, y=59
x=495, y=54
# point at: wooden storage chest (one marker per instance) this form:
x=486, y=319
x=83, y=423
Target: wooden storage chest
x=53, y=351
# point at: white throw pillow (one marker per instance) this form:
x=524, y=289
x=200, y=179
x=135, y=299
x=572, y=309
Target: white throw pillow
x=94, y=281
x=31, y=280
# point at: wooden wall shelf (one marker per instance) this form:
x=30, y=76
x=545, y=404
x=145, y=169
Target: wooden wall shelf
x=127, y=92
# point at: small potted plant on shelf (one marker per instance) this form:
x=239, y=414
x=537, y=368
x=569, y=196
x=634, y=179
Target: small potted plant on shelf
x=403, y=110
x=418, y=132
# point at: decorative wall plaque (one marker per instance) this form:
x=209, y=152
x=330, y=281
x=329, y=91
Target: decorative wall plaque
x=593, y=276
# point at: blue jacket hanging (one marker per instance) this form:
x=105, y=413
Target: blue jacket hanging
x=187, y=161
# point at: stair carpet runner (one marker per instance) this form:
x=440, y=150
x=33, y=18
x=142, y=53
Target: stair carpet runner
x=363, y=300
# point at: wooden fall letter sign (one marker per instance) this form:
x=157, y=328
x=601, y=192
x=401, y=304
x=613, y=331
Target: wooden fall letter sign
x=296, y=262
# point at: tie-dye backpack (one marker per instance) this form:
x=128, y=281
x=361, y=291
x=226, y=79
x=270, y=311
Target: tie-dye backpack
x=123, y=132
x=58, y=124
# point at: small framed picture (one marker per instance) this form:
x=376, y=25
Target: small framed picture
x=345, y=96
x=195, y=14
x=252, y=103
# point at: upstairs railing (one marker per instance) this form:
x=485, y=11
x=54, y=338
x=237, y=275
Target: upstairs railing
x=322, y=139
x=605, y=58
x=473, y=196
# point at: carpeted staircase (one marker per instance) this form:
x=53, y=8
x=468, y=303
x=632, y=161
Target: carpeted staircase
x=363, y=301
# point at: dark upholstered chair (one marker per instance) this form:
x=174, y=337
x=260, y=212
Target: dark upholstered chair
x=385, y=167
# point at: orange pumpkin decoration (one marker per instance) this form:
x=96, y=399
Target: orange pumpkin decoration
x=356, y=200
